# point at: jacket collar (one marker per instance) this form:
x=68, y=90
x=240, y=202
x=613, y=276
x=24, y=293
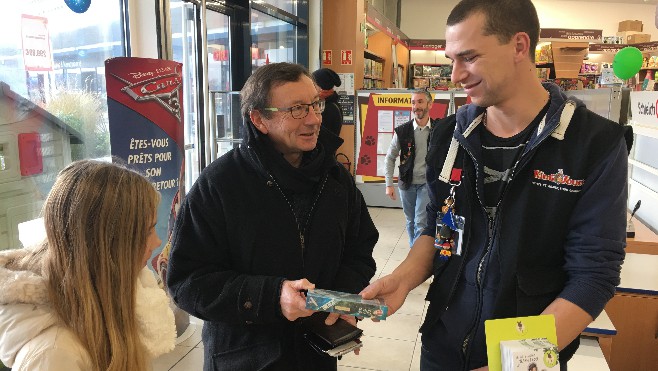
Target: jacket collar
x=254, y=143
x=416, y=126
x=555, y=124
x=557, y=119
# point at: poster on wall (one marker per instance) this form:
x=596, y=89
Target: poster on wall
x=379, y=114
x=35, y=38
x=145, y=108
x=346, y=84
x=346, y=103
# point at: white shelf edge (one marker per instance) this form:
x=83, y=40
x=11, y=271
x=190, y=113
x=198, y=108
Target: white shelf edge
x=646, y=189
x=643, y=166
x=647, y=131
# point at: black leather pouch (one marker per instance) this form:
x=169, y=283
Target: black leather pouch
x=327, y=339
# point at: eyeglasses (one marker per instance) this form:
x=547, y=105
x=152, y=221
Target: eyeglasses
x=299, y=111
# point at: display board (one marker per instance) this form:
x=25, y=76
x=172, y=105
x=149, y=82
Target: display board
x=378, y=113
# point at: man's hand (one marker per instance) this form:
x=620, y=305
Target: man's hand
x=293, y=301
x=333, y=317
x=389, y=289
x=390, y=192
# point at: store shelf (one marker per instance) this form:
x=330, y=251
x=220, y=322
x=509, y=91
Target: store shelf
x=373, y=78
x=647, y=131
x=371, y=55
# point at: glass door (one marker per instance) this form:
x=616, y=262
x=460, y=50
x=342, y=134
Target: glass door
x=200, y=40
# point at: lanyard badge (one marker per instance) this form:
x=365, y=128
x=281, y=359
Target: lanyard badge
x=449, y=225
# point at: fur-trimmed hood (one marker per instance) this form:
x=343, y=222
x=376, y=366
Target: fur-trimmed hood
x=25, y=310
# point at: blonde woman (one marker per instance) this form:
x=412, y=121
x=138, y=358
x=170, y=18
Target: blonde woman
x=84, y=300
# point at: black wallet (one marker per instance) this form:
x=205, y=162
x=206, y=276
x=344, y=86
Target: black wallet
x=335, y=340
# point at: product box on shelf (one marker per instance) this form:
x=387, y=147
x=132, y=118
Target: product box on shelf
x=619, y=39
x=421, y=82
x=630, y=25
x=638, y=38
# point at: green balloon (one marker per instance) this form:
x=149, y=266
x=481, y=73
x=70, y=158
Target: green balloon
x=627, y=62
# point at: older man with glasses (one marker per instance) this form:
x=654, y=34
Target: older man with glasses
x=265, y=222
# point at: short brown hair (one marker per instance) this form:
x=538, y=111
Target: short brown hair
x=255, y=95
x=504, y=18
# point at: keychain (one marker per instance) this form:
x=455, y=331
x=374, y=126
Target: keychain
x=449, y=229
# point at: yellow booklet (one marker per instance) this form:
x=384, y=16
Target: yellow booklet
x=518, y=328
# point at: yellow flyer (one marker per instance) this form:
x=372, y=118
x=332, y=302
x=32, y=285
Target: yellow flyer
x=518, y=328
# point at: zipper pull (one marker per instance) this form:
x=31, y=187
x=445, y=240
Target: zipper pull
x=301, y=240
x=490, y=226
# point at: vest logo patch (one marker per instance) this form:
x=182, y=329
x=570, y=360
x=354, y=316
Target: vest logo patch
x=558, y=181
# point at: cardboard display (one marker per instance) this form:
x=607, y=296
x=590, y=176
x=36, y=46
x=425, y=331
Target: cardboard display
x=630, y=25
x=638, y=38
x=568, y=58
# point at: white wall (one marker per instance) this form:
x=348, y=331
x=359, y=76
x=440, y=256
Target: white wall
x=594, y=15
x=314, y=34
x=143, y=32
x=422, y=19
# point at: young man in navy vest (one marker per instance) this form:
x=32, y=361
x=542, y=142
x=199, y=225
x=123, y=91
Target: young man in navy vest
x=535, y=182
x=410, y=144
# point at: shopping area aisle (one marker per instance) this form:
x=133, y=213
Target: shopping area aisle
x=393, y=344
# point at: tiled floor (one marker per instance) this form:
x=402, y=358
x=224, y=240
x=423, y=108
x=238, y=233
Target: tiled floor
x=390, y=345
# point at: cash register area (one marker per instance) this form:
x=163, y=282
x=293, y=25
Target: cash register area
x=393, y=344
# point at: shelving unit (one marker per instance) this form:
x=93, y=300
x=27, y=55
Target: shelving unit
x=428, y=75
x=373, y=69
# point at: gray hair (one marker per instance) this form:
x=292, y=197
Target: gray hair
x=423, y=91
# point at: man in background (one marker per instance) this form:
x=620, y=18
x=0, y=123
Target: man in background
x=332, y=116
x=409, y=143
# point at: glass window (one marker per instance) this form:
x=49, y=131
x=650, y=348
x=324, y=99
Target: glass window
x=289, y=6
x=219, y=66
x=273, y=40
x=184, y=45
x=53, y=105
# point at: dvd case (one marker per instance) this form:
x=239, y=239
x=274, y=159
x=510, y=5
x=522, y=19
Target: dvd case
x=345, y=303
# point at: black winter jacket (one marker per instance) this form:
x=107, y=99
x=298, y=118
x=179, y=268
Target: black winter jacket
x=332, y=116
x=560, y=227
x=236, y=240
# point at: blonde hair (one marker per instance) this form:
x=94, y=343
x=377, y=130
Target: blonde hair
x=97, y=217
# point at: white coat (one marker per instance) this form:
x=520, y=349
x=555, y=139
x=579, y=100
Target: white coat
x=33, y=338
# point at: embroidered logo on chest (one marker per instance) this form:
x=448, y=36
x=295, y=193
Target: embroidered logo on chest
x=558, y=181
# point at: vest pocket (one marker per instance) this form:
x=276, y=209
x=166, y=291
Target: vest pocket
x=536, y=290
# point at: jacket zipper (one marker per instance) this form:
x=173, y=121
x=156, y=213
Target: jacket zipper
x=301, y=230
x=490, y=230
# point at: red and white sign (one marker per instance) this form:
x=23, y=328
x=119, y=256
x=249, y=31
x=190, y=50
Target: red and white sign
x=220, y=55
x=36, y=43
x=345, y=57
x=326, y=57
